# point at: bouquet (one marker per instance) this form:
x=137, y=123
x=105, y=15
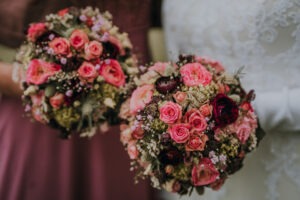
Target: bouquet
x=78, y=68
x=188, y=125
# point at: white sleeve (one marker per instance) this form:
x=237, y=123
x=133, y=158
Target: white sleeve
x=279, y=110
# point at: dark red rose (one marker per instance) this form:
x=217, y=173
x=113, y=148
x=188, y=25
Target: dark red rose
x=165, y=85
x=225, y=110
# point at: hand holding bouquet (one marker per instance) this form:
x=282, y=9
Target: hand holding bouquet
x=78, y=69
x=188, y=125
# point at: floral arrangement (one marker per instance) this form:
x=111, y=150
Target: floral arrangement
x=188, y=125
x=78, y=69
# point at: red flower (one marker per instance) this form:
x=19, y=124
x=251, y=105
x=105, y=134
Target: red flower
x=225, y=110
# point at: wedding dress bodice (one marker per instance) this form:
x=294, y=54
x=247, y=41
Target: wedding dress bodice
x=264, y=37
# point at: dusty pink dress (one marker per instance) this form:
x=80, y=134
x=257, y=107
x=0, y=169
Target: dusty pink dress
x=34, y=163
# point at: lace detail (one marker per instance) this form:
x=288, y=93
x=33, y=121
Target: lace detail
x=263, y=36
x=260, y=34
x=283, y=161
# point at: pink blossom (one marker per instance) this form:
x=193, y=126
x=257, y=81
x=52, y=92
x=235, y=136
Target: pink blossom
x=180, y=97
x=57, y=100
x=196, y=142
x=180, y=133
x=196, y=120
x=60, y=46
x=35, y=30
x=112, y=73
x=223, y=88
x=218, y=184
x=125, y=134
x=141, y=96
x=244, y=126
x=87, y=71
x=243, y=132
x=170, y=112
x=214, y=64
x=78, y=39
x=116, y=42
x=159, y=67
x=132, y=150
x=38, y=115
x=125, y=110
x=206, y=110
x=37, y=99
x=137, y=132
x=93, y=50
x=195, y=74
x=39, y=71
x=62, y=12
x=204, y=173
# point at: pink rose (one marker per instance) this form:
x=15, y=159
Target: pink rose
x=87, y=71
x=196, y=120
x=38, y=114
x=62, y=12
x=132, y=150
x=180, y=133
x=159, y=68
x=196, y=142
x=60, y=46
x=140, y=97
x=244, y=126
x=35, y=30
x=206, y=110
x=125, y=110
x=57, y=100
x=179, y=96
x=93, y=50
x=117, y=44
x=204, y=173
x=125, y=134
x=37, y=99
x=243, y=132
x=188, y=114
x=170, y=112
x=112, y=72
x=138, y=132
x=223, y=88
x=195, y=74
x=218, y=184
x=78, y=39
x=219, y=134
x=246, y=106
x=39, y=71
x=214, y=64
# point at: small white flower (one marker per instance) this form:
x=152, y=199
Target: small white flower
x=109, y=103
x=30, y=90
x=89, y=133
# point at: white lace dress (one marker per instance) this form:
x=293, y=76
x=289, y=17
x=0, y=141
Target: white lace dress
x=263, y=36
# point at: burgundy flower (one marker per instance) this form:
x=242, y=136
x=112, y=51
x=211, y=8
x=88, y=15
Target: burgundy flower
x=165, y=85
x=225, y=110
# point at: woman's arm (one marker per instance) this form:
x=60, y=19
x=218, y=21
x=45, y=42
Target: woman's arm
x=7, y=85
x=279, y=110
